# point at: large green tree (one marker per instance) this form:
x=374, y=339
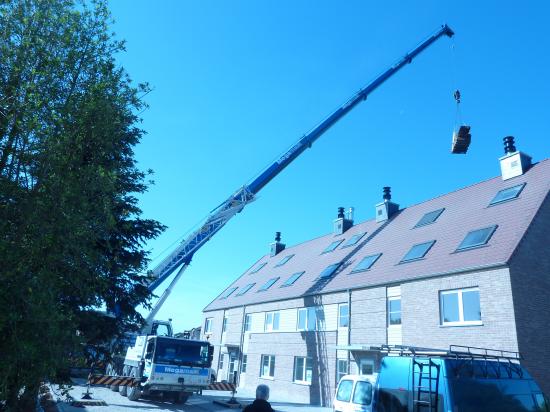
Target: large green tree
x=71, y=235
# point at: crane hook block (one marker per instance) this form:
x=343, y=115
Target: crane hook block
x=461, y=140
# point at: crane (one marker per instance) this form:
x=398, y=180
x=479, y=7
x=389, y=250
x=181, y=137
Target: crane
x=183, y=254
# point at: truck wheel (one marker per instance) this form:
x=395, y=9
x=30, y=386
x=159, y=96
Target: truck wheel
x=123, y=389
x=111, y=372
x=181, y=397
x=134, y=392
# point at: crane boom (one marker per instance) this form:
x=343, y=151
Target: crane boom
x=246, y=194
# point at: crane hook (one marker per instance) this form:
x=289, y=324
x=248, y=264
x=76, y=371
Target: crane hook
x=457, y=96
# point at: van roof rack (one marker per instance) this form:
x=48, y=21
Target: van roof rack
x=454, y=351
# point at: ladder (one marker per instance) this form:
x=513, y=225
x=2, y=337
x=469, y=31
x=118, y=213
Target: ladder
x=425, y=385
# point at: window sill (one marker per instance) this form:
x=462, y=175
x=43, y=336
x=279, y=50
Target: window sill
x=269, y=378
x=461, y=325
x=302, y=383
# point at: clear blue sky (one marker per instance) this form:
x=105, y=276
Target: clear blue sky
x=238, y=82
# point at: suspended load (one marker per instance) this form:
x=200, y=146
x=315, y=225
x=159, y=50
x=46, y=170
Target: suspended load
x=461, y=134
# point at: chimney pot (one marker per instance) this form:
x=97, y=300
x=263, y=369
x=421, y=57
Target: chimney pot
x=340, y=213
x=387, y=193
x=277, y=236
x=509, y=146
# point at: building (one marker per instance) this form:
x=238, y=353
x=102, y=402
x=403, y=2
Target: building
x=470, y=267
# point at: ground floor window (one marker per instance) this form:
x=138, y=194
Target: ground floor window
x=268, y=366
x=341, y=369
x=220, y=362
x=460, y=307
x=303, y=369
x=243, y=365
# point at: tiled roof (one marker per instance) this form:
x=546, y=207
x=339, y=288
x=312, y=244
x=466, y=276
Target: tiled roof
x=466, y=209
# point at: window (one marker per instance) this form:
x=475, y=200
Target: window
x=418, y=251
x=208, y=325
x=507, y=194
x=284, y=260
x=332, y=246
x=259, y=267
x=366, y=263
x=267, y=369
x=343, y=315
x=224, y=324
x=247, y=322
x=366, y=367
x=477, y=238
x=460, y=307
x=303, y=369
x=344, y=391
x=429, y=217
x=228, y=293
x=362, y=395
x=329, y=271
x=291, y=280
x=245, y=289
x=307, y=318
x=268, y=284
x=243, y=364
x=220, y=362
x=354, y=239
x=272, y=321
x=341, y=369
x=394, y=311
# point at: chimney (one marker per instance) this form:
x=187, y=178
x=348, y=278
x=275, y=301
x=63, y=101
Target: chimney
x=341, y=223
x=387, y=208
x=277, y=247
x=513, y=163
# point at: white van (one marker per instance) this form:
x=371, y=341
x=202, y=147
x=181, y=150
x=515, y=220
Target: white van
x=354, y=393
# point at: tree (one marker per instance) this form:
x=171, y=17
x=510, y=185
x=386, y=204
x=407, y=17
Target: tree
x=71, y=235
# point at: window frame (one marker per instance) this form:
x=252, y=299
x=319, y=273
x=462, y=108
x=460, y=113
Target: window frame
x=267, y=285
x=461, y=321
x=330, y=248
x=388, y=300
x=228, y=292
x=339, y=373
x=224, y=324
x=340, y=317
x=208, y=326
x=375, y=259
x=220, y=361
x=492, y=229
x=436, y=213
x=246, y=288
x=431, y=244
x=308, y=319
x=271, y=366
x=247, y=322
x=275, y=319
x=258, y=268
x=349, y=244
x=332, y=272
x=244, y=362
x=516, y=196
x=284, y=261
x=306, y=361
x=287, y=282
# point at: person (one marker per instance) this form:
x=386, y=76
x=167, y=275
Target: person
x=260, y=404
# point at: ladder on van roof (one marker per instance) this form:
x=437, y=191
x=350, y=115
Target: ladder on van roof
x=425, y=385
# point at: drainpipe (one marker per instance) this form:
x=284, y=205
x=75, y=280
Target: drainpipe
x=349, y=329
x=241, y=348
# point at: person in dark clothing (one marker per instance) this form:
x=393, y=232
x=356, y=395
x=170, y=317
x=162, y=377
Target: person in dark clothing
x=260, y=404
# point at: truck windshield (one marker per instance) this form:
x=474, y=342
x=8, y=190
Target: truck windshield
x=181, y=352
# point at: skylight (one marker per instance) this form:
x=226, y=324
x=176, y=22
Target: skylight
x=329, y=271
x=354, y=239
x=418, y=251
x=333, y=246
x=245, y=289
x=507, y=194
x=477, y=238
x=366, y=263
x=429, y=217
x=228, y=293
x=259, y=267
x=284, y=260
x=291, y=280
x=268, y=284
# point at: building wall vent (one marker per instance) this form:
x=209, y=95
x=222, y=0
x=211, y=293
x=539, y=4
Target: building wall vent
x=513, y=163
x=387, y=208
x=343, y=223
x=277, y=247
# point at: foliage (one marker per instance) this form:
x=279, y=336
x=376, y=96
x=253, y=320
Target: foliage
x=71, y=234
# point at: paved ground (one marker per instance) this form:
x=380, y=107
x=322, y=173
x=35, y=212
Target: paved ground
x=117, y=403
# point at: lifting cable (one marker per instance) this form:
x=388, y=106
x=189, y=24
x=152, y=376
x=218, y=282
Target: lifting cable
x=461, y=132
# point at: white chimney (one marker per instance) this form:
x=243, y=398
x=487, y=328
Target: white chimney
x=513, y=163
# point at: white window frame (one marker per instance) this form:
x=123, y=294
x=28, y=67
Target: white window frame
x=302, y=379
x=365, y=362
x=308, y=310
x=208, y=326
x=461, y=321
x=220, y=361
x=340, y=317
x=244, y=363
x=248, y=322
x=390, y=325
x=269, y=326
x=339, y=373
x=270, y=362
x=224, y=324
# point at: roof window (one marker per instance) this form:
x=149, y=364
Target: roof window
x=245, y=289
x=366, y=263
x=507, y=194
x=284, y=260
x=429, y=217
x=291, y=280
x=418, y=251
x=329, y=271
x=268, y=284
x=259, y=267
x=354, y=239
x=228, y=293
x=477, y=238
x=333, y=246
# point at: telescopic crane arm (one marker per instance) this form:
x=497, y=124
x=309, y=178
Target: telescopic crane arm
x=246, y=194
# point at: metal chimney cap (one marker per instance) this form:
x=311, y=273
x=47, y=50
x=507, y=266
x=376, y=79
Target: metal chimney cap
x=340, y=212
x=387, y=193
x=277, y=236
x=509, y=146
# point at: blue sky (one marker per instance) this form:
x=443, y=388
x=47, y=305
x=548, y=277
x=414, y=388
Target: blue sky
x=237, y=83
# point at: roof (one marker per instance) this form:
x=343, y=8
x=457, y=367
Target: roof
x=465, y=210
